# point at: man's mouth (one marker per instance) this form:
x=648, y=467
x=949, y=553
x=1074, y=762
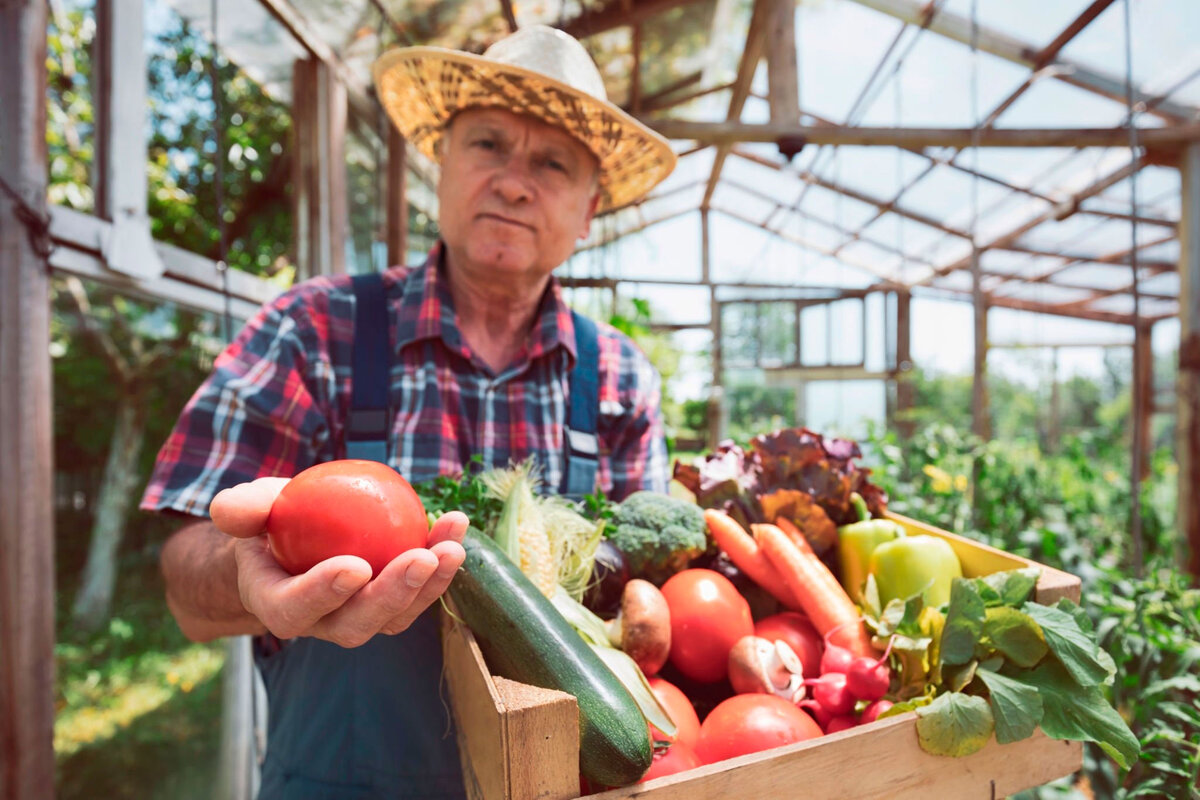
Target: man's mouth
x=506, y=221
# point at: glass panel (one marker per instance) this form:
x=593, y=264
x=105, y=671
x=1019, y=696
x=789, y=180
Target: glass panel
x=70, y=108
x=689, y=169
x=844, y=212
x=947, y=195
x=875, y=359
x=935, y=84
x=1051, y=103
x=739, y=334
x=880, y=172
x=846, y=331
x=870, y=258
x=902, y=234
x=255, y=127
x=1048, y=294
x=1101, y=276
x=138, y=706
x=1166, y=283
x=777, y=334
x=366, y=196
x=742, y=203
x=814, y=336
x=673, y=304
x=831, y=74
x=1035, y=22
x=844, y=408
x=1165, y=33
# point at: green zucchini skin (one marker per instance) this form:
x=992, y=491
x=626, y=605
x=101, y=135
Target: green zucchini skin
x=525, y=638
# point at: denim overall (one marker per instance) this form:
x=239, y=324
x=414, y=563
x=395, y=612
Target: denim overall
x=373, y=721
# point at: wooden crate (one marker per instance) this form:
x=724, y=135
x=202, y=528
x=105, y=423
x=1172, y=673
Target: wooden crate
x=520, y=742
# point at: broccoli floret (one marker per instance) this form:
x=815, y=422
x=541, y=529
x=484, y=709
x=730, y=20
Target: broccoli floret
x=659, y=534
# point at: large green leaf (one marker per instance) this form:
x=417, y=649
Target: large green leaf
x=954, y=724
x=1077, y=651
x=1081, y=713
x=1009, y=588
x=1016, y=635
x=964, y=623
x=1016, y=706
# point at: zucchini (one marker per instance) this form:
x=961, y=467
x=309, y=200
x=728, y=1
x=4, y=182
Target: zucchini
x=525, y=638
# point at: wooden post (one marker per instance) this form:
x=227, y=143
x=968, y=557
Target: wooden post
x=120, y=88
x=319, y=120
x=26, y=470
x=904, y=387
x=716, y=398
x=635, y=74
x=397, y=198
x=1188, y=387
x=1143, y=405
x=980, y=422
x=783, y=92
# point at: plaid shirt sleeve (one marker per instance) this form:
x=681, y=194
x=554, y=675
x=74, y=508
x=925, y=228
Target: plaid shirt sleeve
x=631, y=424
x=255, y=415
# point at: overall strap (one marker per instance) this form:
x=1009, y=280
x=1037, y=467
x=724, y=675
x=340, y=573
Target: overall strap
x=581, y=447
x=368, y=421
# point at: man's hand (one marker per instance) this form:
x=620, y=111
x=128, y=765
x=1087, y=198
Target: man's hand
x=336, y=600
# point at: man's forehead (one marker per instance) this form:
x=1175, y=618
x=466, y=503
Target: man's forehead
x=510, y=121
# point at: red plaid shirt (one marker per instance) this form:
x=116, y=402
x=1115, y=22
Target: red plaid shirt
x=278, y=397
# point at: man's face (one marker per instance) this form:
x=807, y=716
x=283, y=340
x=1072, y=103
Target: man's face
x=515, y=193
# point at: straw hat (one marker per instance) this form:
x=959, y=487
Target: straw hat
x=539, y=71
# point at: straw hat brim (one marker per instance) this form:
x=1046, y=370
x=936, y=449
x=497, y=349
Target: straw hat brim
x=422, y=88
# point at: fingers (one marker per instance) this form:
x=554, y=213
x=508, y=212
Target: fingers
x=242, y=510
x=450, y=527
x=397, y=596
x=293, y=605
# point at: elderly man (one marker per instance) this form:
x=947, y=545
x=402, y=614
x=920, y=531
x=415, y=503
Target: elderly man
x=480, y=358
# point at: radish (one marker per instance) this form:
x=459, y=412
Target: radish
x=841, y=722
x=835, y=658
x=872, y=712
x=868, y=679
x=830, y=691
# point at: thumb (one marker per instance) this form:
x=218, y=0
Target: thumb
x=242, y=510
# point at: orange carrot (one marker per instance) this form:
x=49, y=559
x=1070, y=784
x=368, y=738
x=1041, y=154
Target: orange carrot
x=820, y=595
x=747, y=556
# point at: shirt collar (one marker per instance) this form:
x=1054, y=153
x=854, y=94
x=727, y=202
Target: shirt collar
x=427, y=312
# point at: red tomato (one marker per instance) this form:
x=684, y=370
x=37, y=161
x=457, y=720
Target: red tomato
x=749, y=723
x=676, y=758
x=797, y=632
x=679, y=709
x=708, y=616
x=348, y=507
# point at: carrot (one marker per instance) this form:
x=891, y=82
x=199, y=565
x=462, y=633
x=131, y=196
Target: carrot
x=747, y=556
x=820, y=595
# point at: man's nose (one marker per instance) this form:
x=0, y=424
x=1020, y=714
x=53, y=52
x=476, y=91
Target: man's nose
x=513, y=181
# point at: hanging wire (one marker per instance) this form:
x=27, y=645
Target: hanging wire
x=1139, y=398
x=379, y=219
x=219, y=174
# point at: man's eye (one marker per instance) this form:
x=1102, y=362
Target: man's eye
x=486, y=144
x=556, y=165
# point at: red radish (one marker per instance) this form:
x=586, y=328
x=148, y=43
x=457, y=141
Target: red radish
x=836, y=658
x=867, y=678
x=817, y=711
x=872, y=712
x=830, y=691
x=841, y=722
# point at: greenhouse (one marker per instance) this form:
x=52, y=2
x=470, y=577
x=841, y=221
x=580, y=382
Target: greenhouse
x=951, y=247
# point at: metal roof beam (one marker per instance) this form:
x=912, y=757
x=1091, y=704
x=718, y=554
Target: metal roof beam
x=732, y=131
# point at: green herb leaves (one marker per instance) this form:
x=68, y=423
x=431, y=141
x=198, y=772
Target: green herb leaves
x=1009, y=665
x=954, y=724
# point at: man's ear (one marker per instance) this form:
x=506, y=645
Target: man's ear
x=593, y=204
